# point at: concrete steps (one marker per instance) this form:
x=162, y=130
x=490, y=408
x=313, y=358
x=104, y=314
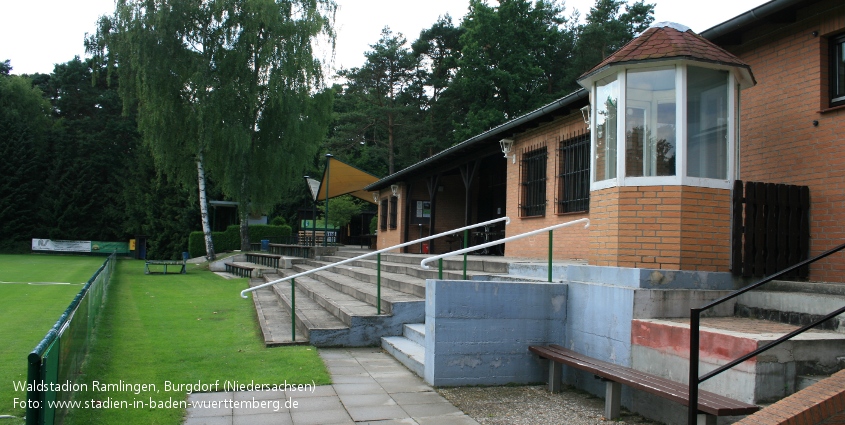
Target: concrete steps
x=409, y=348
x=660, y=347
x=795, y=303
x=338, y=307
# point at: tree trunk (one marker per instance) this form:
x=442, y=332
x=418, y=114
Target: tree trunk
x=206, y=227
x=244, y=219
x=390, y=155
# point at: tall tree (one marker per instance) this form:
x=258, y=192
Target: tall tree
x=607, y=29
x=24, y=124
x=227, y=85
x=509, y=62
x=390, y=68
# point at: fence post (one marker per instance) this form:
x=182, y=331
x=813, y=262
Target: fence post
x=378, y=283
x=550, y=255
x=466, y=245
x=695, y=317
x=293, y=310
x=440, y=268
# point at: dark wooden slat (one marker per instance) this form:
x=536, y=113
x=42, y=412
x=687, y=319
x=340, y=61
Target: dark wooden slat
x=711, y=403
x=782, y=249
x=804, y=206
x=736, y=229
x=760, y=230
x=772, y=213
x=793, y=257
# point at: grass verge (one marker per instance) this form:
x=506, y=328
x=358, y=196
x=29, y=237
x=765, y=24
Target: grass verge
x=28, y=311
x=185, y=329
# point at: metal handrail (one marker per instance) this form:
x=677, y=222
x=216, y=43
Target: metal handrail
x=695, y=342
x=507, y=221
x=549, y=229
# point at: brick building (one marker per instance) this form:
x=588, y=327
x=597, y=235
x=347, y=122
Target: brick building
x=664, y=204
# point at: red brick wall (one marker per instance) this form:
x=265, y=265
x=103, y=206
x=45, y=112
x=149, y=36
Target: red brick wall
x=661, y=227
x=568, y=242
x=779, y=143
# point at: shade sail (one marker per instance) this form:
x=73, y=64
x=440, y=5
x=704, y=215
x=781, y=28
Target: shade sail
x=343, y=179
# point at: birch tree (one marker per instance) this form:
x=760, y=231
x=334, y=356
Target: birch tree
x=226, y=87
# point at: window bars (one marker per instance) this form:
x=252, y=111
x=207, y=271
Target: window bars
x=394, y=211
x=573, y=174
x=532, y=169
x=383, y=215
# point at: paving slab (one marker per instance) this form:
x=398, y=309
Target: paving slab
x=368, y=386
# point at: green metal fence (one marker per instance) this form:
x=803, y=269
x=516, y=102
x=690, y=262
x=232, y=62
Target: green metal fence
x=56, y=362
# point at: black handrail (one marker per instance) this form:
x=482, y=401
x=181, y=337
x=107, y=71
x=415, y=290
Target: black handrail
x=695, y=320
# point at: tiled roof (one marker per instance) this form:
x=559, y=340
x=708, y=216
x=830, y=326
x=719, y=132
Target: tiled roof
x=666, y=42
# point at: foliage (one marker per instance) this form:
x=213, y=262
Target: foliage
x=499, y=78
x=224, y=84
x=24, y=128
x=278, y=221
x=341, y=210
x=374, y=225
x=229, y=240
x=608, y=29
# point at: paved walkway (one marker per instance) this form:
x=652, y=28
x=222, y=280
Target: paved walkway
x=369, y=386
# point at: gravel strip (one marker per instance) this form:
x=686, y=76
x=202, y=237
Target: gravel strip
x=533, y=405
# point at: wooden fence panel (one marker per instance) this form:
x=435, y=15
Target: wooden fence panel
x=770, y=228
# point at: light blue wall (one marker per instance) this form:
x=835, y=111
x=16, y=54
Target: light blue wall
x=478, y=333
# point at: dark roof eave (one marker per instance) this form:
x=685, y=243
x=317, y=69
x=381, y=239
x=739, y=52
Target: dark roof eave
x=738, y=22
x=480, y=138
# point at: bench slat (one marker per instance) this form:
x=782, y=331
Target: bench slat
x=710, y=403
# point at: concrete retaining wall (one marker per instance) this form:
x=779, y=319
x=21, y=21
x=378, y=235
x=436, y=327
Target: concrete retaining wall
x=478, y=333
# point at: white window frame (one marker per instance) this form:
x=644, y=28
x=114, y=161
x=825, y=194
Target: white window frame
x=680, y=178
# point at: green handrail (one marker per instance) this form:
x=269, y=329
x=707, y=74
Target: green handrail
x=378, y=266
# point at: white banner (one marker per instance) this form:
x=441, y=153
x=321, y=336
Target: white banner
x=61, y=246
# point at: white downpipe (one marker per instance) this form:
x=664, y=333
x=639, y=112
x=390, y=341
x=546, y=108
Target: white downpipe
x=507, y=221
x=424, y=262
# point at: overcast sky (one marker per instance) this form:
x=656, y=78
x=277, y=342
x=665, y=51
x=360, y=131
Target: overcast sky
x=36, y=34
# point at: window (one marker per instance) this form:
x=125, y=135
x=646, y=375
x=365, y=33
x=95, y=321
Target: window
x=650, y=123
x=837, y=71
x=533, y=172
x=607, y=94
x=573, y=177
x=707, y=123
x=394, y=211
x=383, y=215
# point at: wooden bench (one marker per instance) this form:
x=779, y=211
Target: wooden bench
x=164, y=263
x=239, y=270
x=712, y=405
x=269, y=260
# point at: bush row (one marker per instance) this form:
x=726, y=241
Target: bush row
x=230, y=239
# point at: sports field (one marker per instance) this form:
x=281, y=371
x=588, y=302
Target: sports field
x=30, y=307
x=159, y=332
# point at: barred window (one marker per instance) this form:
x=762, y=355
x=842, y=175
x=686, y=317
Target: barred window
x=394, y=211
x=533, y=182
x=383, y=215
x=573, y=175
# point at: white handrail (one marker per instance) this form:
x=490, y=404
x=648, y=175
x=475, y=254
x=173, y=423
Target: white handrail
x=507, y=221
x=501, y=241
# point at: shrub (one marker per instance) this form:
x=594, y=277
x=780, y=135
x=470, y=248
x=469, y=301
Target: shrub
x=230, y=240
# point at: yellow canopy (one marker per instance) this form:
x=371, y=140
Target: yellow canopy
x=343, y=179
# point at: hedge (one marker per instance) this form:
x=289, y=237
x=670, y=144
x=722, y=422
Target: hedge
x=230, y=240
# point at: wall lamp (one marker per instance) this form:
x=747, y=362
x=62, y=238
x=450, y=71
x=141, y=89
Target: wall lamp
x=395, y=189
x=585, y=112
x=375, y=197
x=507, y=145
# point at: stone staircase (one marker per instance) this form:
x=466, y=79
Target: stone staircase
x=758, y=317
x=338, y=307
